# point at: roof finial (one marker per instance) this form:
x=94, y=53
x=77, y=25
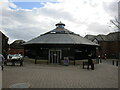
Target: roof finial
x=60, y=24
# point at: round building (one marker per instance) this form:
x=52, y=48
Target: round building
x=58, y=44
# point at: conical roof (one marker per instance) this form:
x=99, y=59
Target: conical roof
x=60, y=35
x=60, y=23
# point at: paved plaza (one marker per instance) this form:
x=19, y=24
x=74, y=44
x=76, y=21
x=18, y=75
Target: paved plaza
x=58, y=76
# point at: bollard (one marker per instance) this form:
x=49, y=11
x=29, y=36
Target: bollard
x=83, y=65
x=35, y=61
x=2, y=67
x=100, y=61
x=74, y=63
x=112, y=62
x=116, y=63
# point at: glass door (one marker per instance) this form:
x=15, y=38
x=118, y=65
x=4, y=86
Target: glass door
x=54, y=56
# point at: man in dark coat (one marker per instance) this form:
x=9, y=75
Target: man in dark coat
x=90, y=62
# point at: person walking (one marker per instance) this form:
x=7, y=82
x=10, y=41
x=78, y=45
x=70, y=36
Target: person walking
x=2, y=61
x=99, y=59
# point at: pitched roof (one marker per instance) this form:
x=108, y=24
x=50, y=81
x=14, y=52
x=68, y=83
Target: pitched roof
x=101, y=38
x=60, y=35
x=17, y=44
x=90, y=37
x=114, y=36
x=3, y=35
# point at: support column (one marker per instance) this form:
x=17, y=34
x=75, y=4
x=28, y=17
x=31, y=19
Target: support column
x=74, y=61
x=35, y=61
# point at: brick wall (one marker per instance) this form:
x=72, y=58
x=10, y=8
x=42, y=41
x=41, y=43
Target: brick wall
x=16, y=51
x=111, y=48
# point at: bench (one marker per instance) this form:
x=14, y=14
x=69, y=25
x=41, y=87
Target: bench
x=85, y=63
x=113, y=62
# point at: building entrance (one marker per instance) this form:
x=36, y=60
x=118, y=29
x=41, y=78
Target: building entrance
x=54, y=56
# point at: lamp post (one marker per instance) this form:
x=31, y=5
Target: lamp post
x=118, y=31
x=0, y=42
x=118, y=44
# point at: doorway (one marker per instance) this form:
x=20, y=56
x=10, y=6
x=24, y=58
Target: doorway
x=54, y=56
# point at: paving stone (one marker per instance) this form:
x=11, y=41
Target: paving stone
x=58, y=76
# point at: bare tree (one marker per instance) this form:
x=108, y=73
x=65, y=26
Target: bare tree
x=116, y=23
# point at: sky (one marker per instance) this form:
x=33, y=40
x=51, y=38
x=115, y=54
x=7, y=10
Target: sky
x=27, y=19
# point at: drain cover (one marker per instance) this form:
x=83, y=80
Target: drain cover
x=20, y=85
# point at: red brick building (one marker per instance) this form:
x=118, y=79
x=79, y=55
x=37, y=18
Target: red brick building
x=16, y=48
x=109, y=44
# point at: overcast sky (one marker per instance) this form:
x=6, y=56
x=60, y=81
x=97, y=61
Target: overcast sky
x=27, y=20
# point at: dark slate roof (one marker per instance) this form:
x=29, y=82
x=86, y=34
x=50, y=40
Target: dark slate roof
x=17, y=44
x=90, y=37
x=114, y=36
x=60, y=35
x=101, y=38
x=60, y=30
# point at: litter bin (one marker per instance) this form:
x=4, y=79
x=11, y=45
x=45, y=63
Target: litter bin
x=66, y=61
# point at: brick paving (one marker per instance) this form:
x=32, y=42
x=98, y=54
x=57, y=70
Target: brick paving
x=59, y=76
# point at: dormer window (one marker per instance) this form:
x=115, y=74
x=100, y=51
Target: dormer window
x=52, y=32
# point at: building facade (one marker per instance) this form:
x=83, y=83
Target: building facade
x=58, y=44
x=3, y=44
x=16, y=47
x=109, y=44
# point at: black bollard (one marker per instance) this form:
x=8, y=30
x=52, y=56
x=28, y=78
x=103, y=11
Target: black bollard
x=116, y=63
x=112, y=62
x=92, y=66
x=47, y=62
x=74, y=62
x=35, y=61
x=2, y=67
x=83, y=65
x=98, y=60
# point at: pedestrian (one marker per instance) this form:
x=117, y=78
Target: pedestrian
x=105, y=56
x=90, y=62
x=2, y=61
x=99, y=59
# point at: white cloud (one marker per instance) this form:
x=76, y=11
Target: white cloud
x=4, y=4
x=32, y=0
x=97, y=28
x=80, y=16
x=12, y=5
